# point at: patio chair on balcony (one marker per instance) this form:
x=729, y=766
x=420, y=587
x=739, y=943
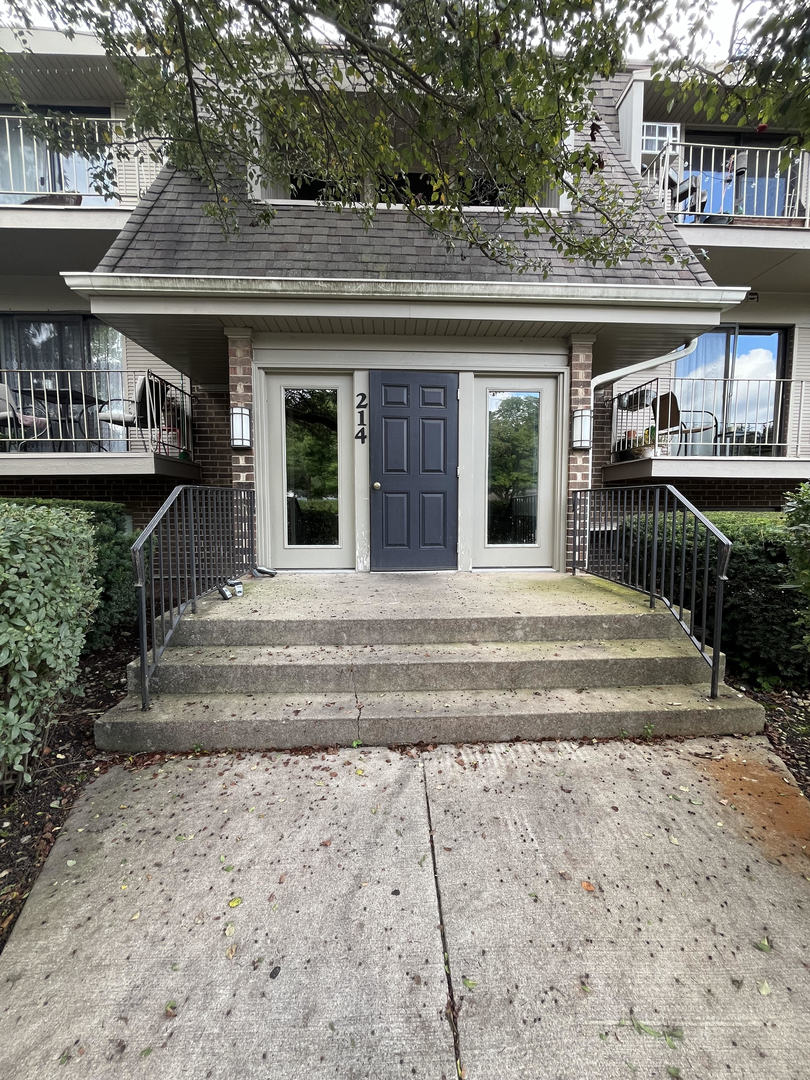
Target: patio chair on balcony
x=676, y=426
x=19, y=426
x=141, y=413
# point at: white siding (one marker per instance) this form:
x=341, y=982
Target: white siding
x=799, y=424
x=134, y=175
x=138, y=361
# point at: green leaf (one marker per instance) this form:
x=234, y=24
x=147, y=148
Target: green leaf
x=470, y=984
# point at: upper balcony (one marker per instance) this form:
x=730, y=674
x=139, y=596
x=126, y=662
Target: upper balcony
x=33, y=175
x=706, y=184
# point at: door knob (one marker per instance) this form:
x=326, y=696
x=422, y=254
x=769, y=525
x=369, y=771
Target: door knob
x=376, y=485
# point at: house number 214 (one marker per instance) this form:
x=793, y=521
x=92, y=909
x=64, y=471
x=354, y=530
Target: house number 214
x=361, y=409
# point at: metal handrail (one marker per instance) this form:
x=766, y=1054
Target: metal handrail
x=655, y=541
x=198, y=539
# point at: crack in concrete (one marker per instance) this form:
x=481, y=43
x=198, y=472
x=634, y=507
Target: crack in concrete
x=358, y=703
x=451, y=1009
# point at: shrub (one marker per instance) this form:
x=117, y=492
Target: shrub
x=117, y=610
x=797, y=541
x=47, y=596
x=761, y=612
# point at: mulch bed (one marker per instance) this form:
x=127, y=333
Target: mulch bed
x=30, y=822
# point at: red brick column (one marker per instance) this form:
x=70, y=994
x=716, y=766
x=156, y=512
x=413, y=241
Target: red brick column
x=580, y=361
x=240, y=374
x=602, y=433
x=212, y=435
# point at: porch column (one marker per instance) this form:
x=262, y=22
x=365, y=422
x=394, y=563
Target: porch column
x=580, y=362
x=240, y=384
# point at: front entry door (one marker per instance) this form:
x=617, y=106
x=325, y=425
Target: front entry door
x=413, y=463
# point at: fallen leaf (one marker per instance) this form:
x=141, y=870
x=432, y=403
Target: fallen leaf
x=230, y=952
x=230, y=930
x=171, y=1010
x=137, y=915
x=326, y=843
x=359, y=772
x=764, y=988
x=674, y=841
x=469, y=983
x=586, y=885
x=235, y=902
x=763, y=946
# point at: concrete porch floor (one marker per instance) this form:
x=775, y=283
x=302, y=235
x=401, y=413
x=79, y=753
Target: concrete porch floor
x=431, y=595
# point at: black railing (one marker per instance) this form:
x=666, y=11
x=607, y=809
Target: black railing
x=200, y=537
x=654, y=540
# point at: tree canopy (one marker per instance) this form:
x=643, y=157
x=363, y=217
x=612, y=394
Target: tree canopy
x=435, y=104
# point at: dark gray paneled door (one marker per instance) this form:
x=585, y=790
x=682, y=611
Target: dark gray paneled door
x=413, y=457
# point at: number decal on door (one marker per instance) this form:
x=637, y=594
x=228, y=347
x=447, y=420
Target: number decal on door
x=361, y=409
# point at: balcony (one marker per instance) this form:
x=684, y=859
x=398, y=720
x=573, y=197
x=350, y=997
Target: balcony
x=711, y=427
x=72, y=421
x=705, y=184
x=34, y=174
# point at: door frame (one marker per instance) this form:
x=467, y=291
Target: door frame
x=271, y=480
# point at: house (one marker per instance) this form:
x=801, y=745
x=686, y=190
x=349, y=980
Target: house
x=394, y=405
x=728, y=420
x=84, y=411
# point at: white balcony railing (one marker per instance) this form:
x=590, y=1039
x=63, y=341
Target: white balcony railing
x=713, y=418
x=698, y=183
x=33, y=173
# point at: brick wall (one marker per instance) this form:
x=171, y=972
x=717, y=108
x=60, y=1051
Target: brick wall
x=733, y=494
x=212, y=435
x=602, y=432
x=240, y=359
x=580, y=360
x=141, y=495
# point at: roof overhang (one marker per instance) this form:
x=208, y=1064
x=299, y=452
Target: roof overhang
x=182, y=319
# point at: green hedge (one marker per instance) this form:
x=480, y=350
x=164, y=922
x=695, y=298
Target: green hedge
x=797, y=528
x=117, y=610
x=762, y=613
x=47, y=597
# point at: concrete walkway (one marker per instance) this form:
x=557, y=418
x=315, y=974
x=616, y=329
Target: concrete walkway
x=508, y=911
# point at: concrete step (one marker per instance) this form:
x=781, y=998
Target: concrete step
x=218, y=627
x=384, y=668
x=179, y=722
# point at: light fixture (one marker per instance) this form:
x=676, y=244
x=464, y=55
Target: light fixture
x=581, y=429
x=240, y=427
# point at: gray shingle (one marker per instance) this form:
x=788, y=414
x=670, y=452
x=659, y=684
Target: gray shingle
x=169, y=233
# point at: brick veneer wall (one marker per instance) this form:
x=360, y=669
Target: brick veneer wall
x=212, y=435
x=602, y=432
x=240, y=372
x=732, y=494
x=141, y=495
x=580, y=361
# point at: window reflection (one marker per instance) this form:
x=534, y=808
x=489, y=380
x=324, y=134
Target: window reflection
x=311, y=444
x=512, y=466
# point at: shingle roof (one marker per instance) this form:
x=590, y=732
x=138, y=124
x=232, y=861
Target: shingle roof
x=169, y=233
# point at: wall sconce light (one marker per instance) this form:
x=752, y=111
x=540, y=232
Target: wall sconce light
x=581, y=429
x=240, y=427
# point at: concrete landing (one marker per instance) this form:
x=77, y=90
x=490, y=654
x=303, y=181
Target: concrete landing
x=605, y=911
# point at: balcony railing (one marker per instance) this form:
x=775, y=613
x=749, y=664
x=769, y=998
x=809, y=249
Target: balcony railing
x=33, y=172
x=106, y=410
x=698, y=183
x=713, y=418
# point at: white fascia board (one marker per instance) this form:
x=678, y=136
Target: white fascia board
x=571, y=294
x=765, y=237
x=42, y=42
x=106, y=218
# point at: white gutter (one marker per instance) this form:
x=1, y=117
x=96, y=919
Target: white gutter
x=631, y=369
x=104, y=284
